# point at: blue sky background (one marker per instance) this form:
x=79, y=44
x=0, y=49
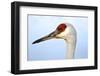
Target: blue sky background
x=39, y=26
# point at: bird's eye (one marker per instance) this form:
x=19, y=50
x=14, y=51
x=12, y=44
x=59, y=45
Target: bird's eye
x=61, y=27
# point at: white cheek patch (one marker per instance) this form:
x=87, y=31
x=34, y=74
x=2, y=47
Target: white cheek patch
x=62, y=35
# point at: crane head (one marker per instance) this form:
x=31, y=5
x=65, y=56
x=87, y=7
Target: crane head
x=60, y=33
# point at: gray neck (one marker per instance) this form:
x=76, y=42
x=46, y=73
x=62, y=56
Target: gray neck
x=70, y=50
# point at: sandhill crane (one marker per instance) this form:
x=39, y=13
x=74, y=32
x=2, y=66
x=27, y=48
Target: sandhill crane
x=64, y=31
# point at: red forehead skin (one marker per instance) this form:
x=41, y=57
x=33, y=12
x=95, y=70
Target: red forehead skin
x=61, y=27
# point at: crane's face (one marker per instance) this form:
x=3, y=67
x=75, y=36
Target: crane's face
x=60, y=32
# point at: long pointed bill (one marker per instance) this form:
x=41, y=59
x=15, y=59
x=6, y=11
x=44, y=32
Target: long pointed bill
x=48, y=37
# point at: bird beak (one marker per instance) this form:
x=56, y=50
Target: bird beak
x=47, y=37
